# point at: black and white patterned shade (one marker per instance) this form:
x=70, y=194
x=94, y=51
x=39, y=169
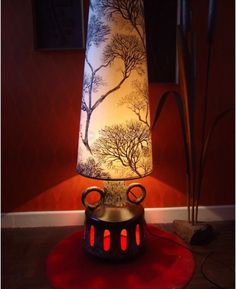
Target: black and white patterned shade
x=114, y=137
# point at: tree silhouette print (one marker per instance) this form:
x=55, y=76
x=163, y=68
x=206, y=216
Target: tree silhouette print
x=129, y=10
x=129, y=50
x=127, y=145
x=97, y=32
x=92, y=169
x=137, y=101
x=111, y=146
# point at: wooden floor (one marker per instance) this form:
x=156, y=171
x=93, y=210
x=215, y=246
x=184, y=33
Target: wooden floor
x=24, y=252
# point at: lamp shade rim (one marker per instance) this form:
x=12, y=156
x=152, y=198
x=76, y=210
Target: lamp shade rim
x=114, y=179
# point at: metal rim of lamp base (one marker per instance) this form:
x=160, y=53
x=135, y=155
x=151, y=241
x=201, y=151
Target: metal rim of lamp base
x=114, y=233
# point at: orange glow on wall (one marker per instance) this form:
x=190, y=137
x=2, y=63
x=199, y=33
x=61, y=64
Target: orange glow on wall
x=41, y=94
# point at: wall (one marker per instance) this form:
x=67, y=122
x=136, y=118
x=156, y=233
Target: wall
x=41, y=94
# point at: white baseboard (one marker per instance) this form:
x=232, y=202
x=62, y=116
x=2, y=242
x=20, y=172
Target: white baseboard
x=76, y=218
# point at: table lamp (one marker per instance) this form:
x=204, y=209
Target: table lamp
x=114, y=137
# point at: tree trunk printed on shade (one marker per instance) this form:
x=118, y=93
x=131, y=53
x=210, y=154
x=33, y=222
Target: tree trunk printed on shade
x=127, y=48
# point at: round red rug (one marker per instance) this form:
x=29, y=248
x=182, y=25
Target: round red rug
x=163, y=265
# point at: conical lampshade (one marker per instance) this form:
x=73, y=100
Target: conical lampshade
x=115, y=138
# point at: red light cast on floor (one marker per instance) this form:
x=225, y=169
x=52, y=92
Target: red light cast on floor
x=164, y=264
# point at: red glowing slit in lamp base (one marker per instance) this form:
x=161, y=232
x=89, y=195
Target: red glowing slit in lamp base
x=106, y=240
x=123, y=239
x=92, y=236
x=137, y=234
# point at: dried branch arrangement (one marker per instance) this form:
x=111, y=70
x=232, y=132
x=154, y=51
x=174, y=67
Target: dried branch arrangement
x=187, y=59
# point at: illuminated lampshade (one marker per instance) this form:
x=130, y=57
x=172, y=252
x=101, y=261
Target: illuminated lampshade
x=114, y=138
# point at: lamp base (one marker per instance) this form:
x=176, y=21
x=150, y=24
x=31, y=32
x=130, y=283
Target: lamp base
x=114, y=233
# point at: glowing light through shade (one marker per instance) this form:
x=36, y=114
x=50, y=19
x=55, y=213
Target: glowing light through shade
x=114, y=137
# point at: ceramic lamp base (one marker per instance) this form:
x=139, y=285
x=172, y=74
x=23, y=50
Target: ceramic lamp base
x=114, y=233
